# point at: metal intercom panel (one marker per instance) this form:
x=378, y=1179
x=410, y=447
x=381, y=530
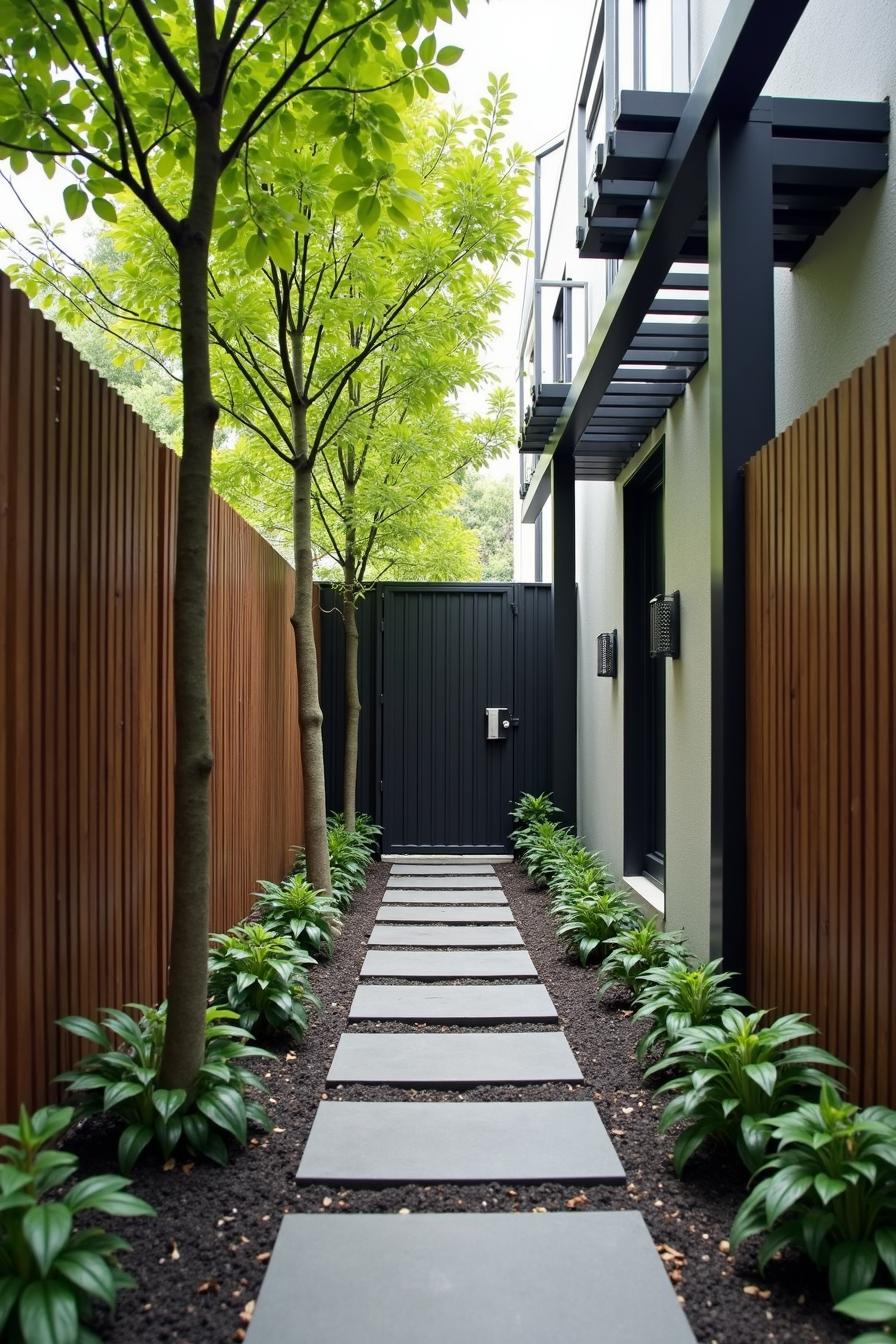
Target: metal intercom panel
x=497, y=723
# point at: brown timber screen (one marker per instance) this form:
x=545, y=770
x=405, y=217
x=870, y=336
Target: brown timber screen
x=87, y=524
x=821, y=752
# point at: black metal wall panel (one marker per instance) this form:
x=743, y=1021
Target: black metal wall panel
x=432, y=658
x=332, y=697
x=534, y=688
x=447, y=654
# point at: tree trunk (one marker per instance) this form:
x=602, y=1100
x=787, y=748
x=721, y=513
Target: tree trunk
x=317, y=854
x=352, y=694
x=184, y=1049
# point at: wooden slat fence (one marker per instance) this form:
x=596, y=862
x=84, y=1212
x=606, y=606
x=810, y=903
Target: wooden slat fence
x=821, y=733
x=87, y=524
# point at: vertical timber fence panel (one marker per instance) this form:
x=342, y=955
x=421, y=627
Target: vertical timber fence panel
x=87, y=529
x=821, y=731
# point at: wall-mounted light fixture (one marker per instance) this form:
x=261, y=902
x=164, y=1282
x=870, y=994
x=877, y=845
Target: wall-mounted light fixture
x=606, y=654
x=664, y=626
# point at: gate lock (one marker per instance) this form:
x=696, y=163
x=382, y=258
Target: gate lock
x=497, y=724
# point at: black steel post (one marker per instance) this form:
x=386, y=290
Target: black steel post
x=565, y=629
x=742, y=418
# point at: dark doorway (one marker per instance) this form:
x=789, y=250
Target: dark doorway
x=645, y=678
x=434, y=657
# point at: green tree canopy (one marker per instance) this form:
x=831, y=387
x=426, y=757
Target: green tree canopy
x=177, y=104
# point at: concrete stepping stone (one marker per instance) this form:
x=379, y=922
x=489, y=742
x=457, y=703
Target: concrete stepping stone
x=417, y=896
x=446, y=1277
x=421, y=1059
x=452, y=1005
x=444, y=914
x=460, y=883
x=375, y=1143
x=447, y=965
x=444, y=935
x=441, y=870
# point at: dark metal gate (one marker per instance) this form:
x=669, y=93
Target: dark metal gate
x=434, y=658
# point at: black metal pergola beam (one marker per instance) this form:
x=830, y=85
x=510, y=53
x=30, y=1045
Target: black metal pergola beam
x=656, y=376
x=686, y=280
x=750, y=38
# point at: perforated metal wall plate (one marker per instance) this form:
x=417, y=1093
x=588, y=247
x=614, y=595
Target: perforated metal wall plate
x=606, y=654
x=664, y=625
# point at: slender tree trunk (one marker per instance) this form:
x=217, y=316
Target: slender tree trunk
x=188, y=963
x=352, y=693
x=317, y=854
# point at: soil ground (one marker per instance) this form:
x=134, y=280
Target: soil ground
x=199, y=1264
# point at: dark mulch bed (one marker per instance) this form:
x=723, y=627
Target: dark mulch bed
x=202, y=1260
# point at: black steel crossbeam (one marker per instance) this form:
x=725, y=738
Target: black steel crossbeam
x=749, y=40
x=823, y=151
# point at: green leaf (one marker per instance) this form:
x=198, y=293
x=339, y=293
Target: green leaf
x=105, y=209
x=281, y=250
x=89, y=1272
x=48, y=1314
x=168, y=1133
x=688, y=1143
x=885, y=1241
x=81, y=1026
x=256, y=252
x=874, y=1304
x=787, y=1234
x=428, y=48
x=9, y=1296
x=409, y=56
x=764, y=1075
x=75, y=202
x=828, y=1187
x=783, y=1190
x=131, y=1143
x=19, y=1199
x=107, y=1194
x=449, y=55
x=438, y=80
x=851, y=1268
x=369, y=211
x=225, y=1108
x=116, y=1093
x=168, y=1101
x=46, y=1229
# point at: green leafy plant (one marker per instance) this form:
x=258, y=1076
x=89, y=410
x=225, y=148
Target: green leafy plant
x=263, y=977
x=295, y=910
x=366, y=830
x=873, y=1305
x=587, y=924
x=636, y=951
x=351, y=852
x=829, y=1191
x=734, y=1076
x=579, y=874
x=124, y=1082
x=544, y=848
x=531, y=809
x=52, y=1273
x=348, y=863
x=679, y=996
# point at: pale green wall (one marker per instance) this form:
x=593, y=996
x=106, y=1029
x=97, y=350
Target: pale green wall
x=839, y=304
x=832, y=311
x=600, y=575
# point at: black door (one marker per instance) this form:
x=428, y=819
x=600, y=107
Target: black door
x=645, y=678
x=447, y=656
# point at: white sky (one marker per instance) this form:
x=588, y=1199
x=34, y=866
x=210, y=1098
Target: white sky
x=537, y=43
